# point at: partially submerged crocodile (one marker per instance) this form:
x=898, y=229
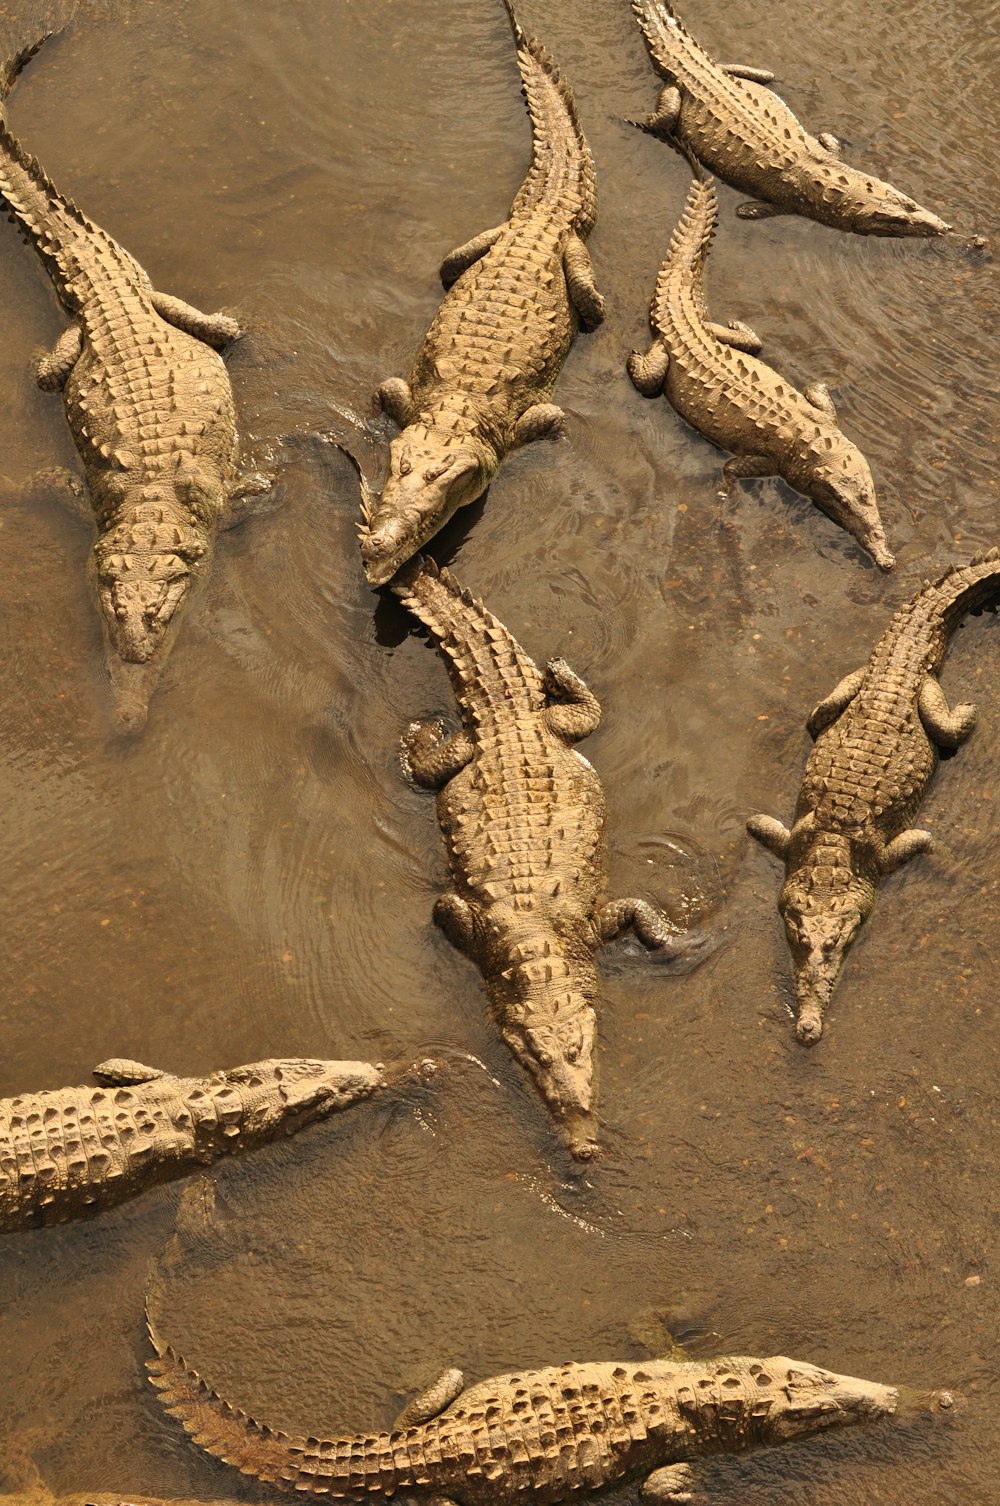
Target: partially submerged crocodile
x=75, y=1151
x=150, y=407
x=481, y=383
x=523, y=817
x=547, y=1435
x=878, y=734
x=710, y=373
x=737, y=127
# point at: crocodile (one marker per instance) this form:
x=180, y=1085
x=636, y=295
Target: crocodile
x=150, y=408
x=878, y=735
x=523, y=816
x=712, y=375
x=727, y=116
x=546, y=1434
x=71, y=1152
x=481, y=382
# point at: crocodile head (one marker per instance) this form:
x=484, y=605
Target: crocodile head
x=821, y=923
x=282, y=1096
x=883, y=210
x=796, y=1399
x=432, y=473
x=843, y=488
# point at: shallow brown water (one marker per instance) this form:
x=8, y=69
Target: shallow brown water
x=255, y=878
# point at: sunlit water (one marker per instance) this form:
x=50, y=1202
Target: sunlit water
x=254, y=877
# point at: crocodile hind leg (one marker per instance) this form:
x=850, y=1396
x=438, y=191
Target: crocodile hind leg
x=395, y=398
x=770, y=833
x=649, y=372
x=54, y=367
x=664, y=118
x=579, y=712
x=650, y=925
x=463, y=257
x=752, y=75
x=740, y=468
x=580, y=284
x=540, y=421
x=432, y=758
x=671, y=1484
x=904, y=847
x=818, y=394
x=831, y=706
x=946, y=727
x=432, y=1401
x=215, y=329
x=739, y=335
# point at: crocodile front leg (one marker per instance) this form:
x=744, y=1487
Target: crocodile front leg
x=756, y=209
x=580, y=284
x=904, y=847
x=579, y=712
x=770, y=833
x=840, y=697
x=395, y=398
x=650, y=925
x=752, y=75
x=432, y=1401
x=54, y=366
x=946, y=727
x=457, y=920
x=215, y=329
x=741, y=468
x=463, y=257
x=648, y=373
x=669, y=1485
x=739, y=335
x=432, y=758
x=829, y=143
x=540, y=421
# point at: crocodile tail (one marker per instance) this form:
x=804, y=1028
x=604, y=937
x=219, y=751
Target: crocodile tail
x=689, y=247
x=661, y=28
x=224, y=1431
x=961, y=589
x=562, y=166
x=478, y=649
x=11, y=67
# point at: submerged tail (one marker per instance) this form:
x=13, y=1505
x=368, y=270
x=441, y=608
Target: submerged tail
x=689, y=246
x=561, y=162
x=11, y=67
x=481, y=653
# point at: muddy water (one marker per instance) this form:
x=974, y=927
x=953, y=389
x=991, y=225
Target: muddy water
x=254, y=877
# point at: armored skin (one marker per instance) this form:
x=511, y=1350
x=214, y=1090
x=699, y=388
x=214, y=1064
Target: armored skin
x=547, y=1435
x=150, y=408
x=481, y=383
x=76, y=1151
x=878, y=735
x=738, y=128
x=710, y=373
x=523, y=818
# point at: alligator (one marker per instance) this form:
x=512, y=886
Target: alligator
x=523, y=817
x=481, y=383
x=72, y=1152
x=878, y=735
x=150, y=408
x=725, y=115
x=711, y=375
x=547, y=1434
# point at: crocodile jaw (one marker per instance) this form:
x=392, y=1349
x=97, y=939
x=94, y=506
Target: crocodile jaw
x=900, y=215
x=847, y=495
x=555, y=1043
x=429, y=481
x=819, y=941
x=812, y=1399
